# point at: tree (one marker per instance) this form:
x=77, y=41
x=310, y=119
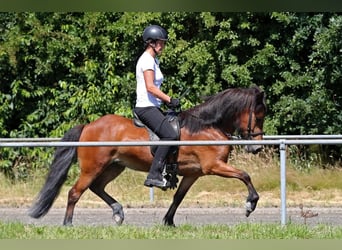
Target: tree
x=61, y=69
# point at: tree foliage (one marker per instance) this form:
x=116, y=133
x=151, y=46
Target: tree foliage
x=61, y=69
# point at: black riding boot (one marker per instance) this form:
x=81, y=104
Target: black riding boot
x=155, y=176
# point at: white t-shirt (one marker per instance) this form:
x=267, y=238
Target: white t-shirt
x=145, y=99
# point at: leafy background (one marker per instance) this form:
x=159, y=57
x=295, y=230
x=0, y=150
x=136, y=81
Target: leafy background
x=59, y=69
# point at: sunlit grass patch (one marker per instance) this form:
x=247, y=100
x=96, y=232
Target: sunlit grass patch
x=186, y=231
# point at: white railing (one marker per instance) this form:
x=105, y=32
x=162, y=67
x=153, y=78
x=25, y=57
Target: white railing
x=281, y=140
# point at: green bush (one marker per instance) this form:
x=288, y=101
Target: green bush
x=61, y=69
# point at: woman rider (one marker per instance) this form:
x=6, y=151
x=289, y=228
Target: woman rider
x=149, y=98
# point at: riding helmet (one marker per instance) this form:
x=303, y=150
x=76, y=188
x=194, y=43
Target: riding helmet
x=154, y=32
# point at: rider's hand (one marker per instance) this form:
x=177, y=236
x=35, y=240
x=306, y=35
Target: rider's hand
x=174, y=103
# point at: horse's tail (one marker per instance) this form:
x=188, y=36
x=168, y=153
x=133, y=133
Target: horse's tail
x=63, y=158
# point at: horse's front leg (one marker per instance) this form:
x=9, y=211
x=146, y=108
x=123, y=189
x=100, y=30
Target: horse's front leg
x=220, y=168
x=253, y=197
x=183, y=188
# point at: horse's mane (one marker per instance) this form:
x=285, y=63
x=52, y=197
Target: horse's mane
x=217, y=109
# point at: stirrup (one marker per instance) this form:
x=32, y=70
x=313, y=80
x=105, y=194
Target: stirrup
x=164, y=184
x=170, y=174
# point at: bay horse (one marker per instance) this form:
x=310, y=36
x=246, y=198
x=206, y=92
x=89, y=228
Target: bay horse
x=218, y=117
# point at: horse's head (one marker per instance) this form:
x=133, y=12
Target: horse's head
x=252, y=121
x=235, y=109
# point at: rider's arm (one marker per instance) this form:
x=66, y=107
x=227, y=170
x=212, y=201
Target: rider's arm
x=152, y=89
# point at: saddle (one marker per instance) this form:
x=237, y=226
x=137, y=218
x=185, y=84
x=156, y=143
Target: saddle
x=171, y=165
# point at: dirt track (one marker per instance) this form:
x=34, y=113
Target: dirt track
x=194, y=216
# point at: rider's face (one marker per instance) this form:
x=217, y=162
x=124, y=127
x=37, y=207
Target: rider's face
x=160, y=44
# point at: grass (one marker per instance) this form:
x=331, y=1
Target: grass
x=241, y=231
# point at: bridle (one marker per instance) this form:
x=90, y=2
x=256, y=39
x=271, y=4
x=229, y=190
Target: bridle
x=250, y=132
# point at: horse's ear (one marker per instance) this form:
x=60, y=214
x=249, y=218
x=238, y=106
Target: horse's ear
x=260, y=97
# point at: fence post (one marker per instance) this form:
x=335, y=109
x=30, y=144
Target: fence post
x=282, y=148
x=151, y=194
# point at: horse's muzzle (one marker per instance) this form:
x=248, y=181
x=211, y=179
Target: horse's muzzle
x=254, y=149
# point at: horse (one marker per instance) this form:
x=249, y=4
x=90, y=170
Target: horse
x=232, y=111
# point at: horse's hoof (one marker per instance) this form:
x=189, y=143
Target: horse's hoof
x=117, y=219
x=248, y=208
x=118, y=214
x=68, y=224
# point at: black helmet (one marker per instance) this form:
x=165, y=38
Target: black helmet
x=154, y=32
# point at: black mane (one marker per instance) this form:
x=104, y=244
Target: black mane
x=219, y=109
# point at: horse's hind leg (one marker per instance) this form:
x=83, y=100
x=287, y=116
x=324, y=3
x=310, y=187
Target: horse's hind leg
x=74, y=195
x=98, y=186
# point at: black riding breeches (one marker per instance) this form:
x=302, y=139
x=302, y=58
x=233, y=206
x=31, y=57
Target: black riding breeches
x=155, y=120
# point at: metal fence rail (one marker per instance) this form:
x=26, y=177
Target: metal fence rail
x=266, y=137
x=173, y=143
x=281, y=140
